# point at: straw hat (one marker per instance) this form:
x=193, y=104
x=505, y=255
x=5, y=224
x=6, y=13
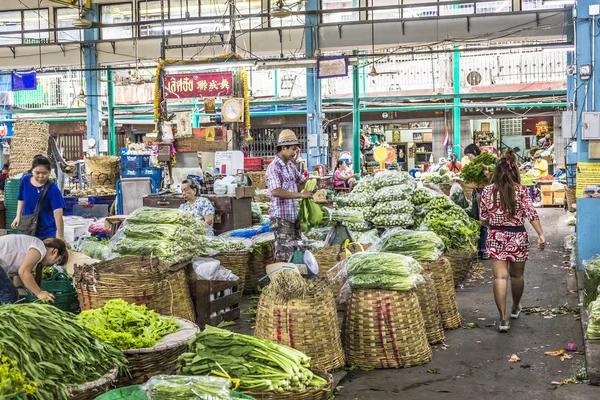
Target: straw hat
x=287, y=138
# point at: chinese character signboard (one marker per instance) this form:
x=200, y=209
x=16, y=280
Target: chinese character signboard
x=213, y=84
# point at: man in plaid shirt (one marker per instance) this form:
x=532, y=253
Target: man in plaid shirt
x=285, y=182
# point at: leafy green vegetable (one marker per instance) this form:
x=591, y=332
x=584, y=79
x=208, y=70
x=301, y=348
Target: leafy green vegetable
x=456, y=234
x=591, y=283
x=354, y=199
x=127, y=326
x=14, y=383
x=387, y=282
x=167, y=251
x=261, y=365
x=398, y=192
x=94, y=249
x=53, y=349
x=474, y=172
x=169, y=232
x=390, y=178
x=383, y=263
x=147, y=215
x=593, y=329
x=403, y=220
x=420, y=245
x=167, y=387
x=393, y=207
x=350, y=215
x=310, y=215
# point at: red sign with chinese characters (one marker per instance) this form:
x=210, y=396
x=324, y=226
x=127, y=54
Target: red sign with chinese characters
x=212, y=84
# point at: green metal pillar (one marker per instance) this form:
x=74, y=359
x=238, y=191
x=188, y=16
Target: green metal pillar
x=456, y=105
x=356, y=119
x=112, y=137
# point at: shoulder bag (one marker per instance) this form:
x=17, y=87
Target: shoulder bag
x=29, y=223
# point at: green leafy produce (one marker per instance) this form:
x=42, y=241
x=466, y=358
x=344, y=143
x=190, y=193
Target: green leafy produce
x=455, y=234
x=387, y=282
x=168, y=232
x=398, y=192
x=383, y=271
x=310, y=215
x=224, y=244
x=14, y=383
x=94, y=248
x=127, y=326
x=354, y=200
x=147, y=215
x=593, y=329
x=390, y=178
x=458, y=197
x=591, y=283
x=403, y=220
x=367, y=237
x=167, y=251
x=474, y=172
x=350, y=215
x=358, y=226
x=167, y=387
x=420, y=245
x=53, y=349
x=422, y=196
x=318, y=233
x=440, y=176
x=256, y=214
x=365, y=186
x=394, y=207
x=260, y=365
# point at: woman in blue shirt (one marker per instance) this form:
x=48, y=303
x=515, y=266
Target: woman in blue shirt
x=201, y=206
x=50, y=222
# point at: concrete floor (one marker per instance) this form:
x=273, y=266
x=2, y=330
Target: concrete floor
x=475, y=364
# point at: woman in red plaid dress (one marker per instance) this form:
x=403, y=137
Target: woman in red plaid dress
x=505, y=206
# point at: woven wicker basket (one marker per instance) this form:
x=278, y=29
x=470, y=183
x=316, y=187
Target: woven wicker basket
x=90, y=390
x=237, y=262
x=441, y=272
x=467, y=190
x=328, y=256
x=430, y=309
x=258, y=179
x=162, y=359
x=461, y=262
x=257, y=268
x=309, y=325
x=29, y=139
x=175, y=300
x=384, y=329
x=322, y=393
x=445, y=188
x=572, y=198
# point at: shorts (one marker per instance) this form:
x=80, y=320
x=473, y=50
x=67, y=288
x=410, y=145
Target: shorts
x=287, y=238
x=8, y=290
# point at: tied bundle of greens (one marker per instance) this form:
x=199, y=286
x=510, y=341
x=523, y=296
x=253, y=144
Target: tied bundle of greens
x=593, y=329
x=440, y=176
x=383, y=271
x=591, y=283
x=260, y=365
x=127, y=326
x=53, y=349
x=349, y=215
x=167, y=387
x=167, y=251
x=165, y=232
x=94, y=248
x=420, y=245
x=480, y=169
x=148, y=215
x=455, y=233
x=225, y=245
x=310, y=214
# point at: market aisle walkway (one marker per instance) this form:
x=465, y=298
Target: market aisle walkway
x=475, y=364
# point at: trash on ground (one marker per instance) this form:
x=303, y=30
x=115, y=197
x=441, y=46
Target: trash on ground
x=514, y=358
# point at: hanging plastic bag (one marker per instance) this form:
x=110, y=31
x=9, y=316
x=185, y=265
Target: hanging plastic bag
x=457, y=195
x=220, y=187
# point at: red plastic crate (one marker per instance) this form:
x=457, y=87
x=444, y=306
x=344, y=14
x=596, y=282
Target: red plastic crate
x=253, y=163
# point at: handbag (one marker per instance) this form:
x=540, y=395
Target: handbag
x=29, y=223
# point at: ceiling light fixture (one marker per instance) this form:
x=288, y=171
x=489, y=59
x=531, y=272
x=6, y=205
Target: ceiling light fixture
x=280, y=11
x=373, y=72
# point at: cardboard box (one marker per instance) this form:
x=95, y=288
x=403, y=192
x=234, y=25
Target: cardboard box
x=545, y=188
x=557, y=187
x=244, y=192
x=559, y=197
x=547, y=198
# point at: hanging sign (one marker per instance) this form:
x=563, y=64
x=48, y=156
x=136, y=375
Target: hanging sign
x=210, y=134
x=210, y=84
x=588, y=180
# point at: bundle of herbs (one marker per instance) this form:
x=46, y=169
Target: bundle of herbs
x=479, y=171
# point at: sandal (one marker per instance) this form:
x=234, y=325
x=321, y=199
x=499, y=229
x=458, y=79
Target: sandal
x=504, y=326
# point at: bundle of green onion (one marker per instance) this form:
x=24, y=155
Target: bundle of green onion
x=260, y=365
x=420, y=245
x=383, y=271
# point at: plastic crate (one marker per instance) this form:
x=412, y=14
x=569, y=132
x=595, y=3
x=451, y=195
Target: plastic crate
x=91, y=210
x=253, y=164
x=70, y=202
x=102, y=200
x=153, y=173
x=130, y=173
x=132, y=161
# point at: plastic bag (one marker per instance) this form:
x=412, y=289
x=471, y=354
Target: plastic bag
x=593, y=328
x=569, y=241
x=390, y=178
x=220, y=244
x=397, y=192
x=354, y=200
x=93, y=248
x=163, y=387
x=420, y=245
x=591, y=282
x=394, y=207
x=220, y=186
x=572, y=220
x=424, y=195
x=402, y=220
x=149, y=215
x=368, y=237
x=211, y=270
x=457, y=195
x=318, y=233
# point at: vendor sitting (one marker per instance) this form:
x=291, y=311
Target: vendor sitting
x=540, y=166
x=201, y=206
x=343, y=177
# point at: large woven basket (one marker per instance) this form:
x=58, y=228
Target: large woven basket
x=384, y=329
x=445, y=188
x=461, y=262
x=137, y=280
x=258, y=179
x=328, y=256
x=90, y=390
x=257, y=268
x=29, y=139
x=322, y=393
x=467, y=191
x=572, y=198
x=162, y=359
x=237, y=262
x=309, y=325
x=430, y=309
x=441, y=272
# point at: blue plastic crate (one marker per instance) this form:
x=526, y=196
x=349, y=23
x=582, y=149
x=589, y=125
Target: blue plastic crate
x=130, y=161
x=102, y=200
x=153, y=173
x=70, y=201
x=130, y=173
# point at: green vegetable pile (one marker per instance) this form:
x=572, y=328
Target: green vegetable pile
x=94, y=248
x=14, y=383
x=383, y=271
x=593, y=329
x=474, y=172
x=167, y=387
x=53, y=349
x=256, y=214
x=352, y=210
x=393, y=205
x=455, y=234
x=440, y=176
x=350, y=215
x=354, y=199
x=260, y=365
x=591, y=283
x=127, y=326
x=174, y=236
x=422, y=196
x=224, y=245
x=390, y=178
x=527, y=179
x=420, y=245
x=392, y=193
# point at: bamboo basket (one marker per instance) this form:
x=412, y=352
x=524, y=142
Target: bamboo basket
x=30, y=138
x=430, y=309
x=237, y=262
x=162, y=359
x=175, y=299
x=328, y=256
x=461, y=262
x=309, y=325
x=257, y=268
x=258, y=179
x=467, y=190
x=384, y=329
x=91, y=390
x=572, y=198
x=322, y=393
x=441, y=272
x=445, y=188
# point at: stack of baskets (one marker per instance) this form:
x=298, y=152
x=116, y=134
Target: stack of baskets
x=441, y=272
x=29, y=139
x=461, y=262
x=328, y=256
x=237, y=262
x=309, y=325
x=105, y=170
x=572, y=198
x=430, y=309
x=385, y=329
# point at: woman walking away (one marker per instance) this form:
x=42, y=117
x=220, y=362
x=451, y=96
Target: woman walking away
x=50, y=218
x=505, y=206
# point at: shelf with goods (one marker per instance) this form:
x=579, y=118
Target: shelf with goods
x=486, y=139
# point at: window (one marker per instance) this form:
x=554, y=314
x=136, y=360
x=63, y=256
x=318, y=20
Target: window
x=36, y=20
x=180, y=9
x=217, y=8
x=493, y=7
x=11, y=22
x=338, y=5
x=456, y=9
x=386, y=13
x=64, y=18
x=151, y=11
x=418, y=12
x=118, y=13
x=248, y=7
